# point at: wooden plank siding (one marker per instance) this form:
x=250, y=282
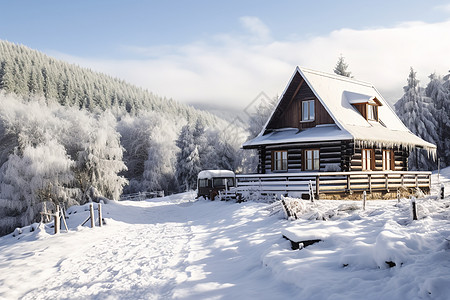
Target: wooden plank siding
x=289, y=111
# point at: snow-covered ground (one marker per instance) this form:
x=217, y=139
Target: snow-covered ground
x=179, y=248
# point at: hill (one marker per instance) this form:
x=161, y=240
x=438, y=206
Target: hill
x=28, y=72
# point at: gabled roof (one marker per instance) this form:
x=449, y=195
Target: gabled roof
x=338, y=94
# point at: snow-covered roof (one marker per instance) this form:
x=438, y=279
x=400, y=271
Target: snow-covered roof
x=293, y=135
x=337, y=94
x=209, y=174
x=354, y=98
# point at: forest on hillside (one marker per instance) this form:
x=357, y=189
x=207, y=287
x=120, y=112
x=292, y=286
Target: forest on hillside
x=69, y=135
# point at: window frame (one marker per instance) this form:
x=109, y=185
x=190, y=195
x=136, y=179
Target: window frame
x=311, y=114
x=314, y=160
x=280, y=163
x=388, y=164
x=373, y=108
x=364, y=162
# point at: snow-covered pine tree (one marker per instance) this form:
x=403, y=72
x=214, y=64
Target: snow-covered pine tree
x=444, y=118
x=436, y=91
x=100, y=162
x=341, y=67
x=188, y=163
x=417, y=113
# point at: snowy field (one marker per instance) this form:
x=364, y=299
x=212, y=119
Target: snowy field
x=179, y=248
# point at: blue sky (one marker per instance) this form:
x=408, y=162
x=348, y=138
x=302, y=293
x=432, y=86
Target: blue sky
x=221, y=52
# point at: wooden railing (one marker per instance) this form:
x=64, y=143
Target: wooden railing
x=332, y=182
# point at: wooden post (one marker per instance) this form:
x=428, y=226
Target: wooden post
x=91, y=209
x=348, y=183
x=364, y=200
x=403, y=183
x=386, y=182
x=57, y=220
x=311, y=191
x=63, y=217
x=370, y=183
x=417, y=181
x=317, y=186
x=414, y=207
x=100, y=215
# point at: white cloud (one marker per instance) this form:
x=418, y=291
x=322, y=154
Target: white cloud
x=231, y=70
x=256, y=27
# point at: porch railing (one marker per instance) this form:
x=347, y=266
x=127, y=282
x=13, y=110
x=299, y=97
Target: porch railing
x=332, y=182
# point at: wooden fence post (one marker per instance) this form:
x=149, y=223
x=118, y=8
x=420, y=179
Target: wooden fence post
x=386, y=182
x=91, y=209
x=57, y=220
x=100, y=223
x=317, y=186
x=311, y=191
x=414, y=207
x=63, y=217
x=364, y=200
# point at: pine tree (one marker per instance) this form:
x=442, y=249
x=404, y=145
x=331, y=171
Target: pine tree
x=188, y=163
x=417, y=113
x=341, y=68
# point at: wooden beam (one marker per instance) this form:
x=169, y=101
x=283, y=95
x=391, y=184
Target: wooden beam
x=295, y=93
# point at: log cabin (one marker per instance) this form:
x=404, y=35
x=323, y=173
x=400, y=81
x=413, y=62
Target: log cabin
x=330, y=123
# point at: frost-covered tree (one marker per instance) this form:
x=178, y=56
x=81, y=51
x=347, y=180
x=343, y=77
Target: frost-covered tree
x=150, y=152
x=438, y=90
x=341, y=67
x=30, y=177
x=100, y=162
x=54, y=154
x=188, y=163
x=417, y=113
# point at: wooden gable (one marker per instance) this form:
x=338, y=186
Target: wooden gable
x=288, y=113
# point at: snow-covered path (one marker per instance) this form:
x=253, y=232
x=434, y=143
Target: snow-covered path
x=163, y=249
x=140, y=252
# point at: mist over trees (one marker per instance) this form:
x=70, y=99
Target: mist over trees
x=69, y=136
x=426, y=112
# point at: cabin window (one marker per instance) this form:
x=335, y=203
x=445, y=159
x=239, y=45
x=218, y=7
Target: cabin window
x=367, y=159
x=311, y=161
x=308, y=110
x=372, y=112
x=280, y=162
x=388, y=159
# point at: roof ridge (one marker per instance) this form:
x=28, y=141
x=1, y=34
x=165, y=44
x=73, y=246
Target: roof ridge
x=336, y=76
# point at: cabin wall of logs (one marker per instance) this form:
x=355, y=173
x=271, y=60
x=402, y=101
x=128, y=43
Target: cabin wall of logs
x=334, y=156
